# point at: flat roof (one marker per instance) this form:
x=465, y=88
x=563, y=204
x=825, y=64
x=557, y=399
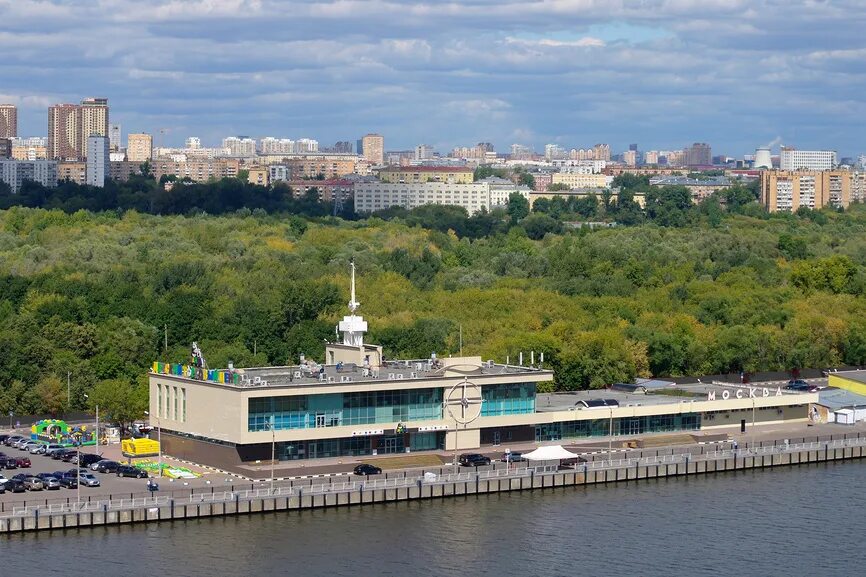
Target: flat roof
x=548, y=402
x=309, y=374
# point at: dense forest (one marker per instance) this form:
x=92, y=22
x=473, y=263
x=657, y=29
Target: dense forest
x=683, y=289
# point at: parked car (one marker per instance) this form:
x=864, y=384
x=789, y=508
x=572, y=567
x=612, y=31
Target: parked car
x=571, y=463
x=15, y=486
x=3, y=437
x=88, y=480
x=2, y=488
x=20, y=443
x=9, y=463
x=68, y=482
x=105, y=466
x=23, y=462
x=473, y=460
x=49, y=481
x=71, y=456
x=367, y=469
x=60, y=453
x=3, y=479
x=51, y=448
x=130, y=471
x=88, y=459
x=36, y=448
x=800, y=385
x=34, y=484
x=11, y=440
x=513, y=458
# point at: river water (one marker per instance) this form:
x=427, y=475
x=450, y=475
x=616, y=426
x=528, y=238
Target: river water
x=791, y=521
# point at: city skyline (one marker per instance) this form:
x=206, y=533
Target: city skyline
x=735, y=74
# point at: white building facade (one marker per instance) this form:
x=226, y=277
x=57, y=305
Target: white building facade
x=98, y=160
x=807, y=159
x=15, y=172
x=373, y=196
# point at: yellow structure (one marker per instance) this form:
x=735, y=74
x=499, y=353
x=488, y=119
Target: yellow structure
x=853, y=381
x=139, y=147
x=139, y=447
x=412, y=174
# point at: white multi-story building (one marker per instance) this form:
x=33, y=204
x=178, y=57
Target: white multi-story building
x=279, y=173
x=15, y=172
x=271, y=145
x=303, y=145
x=193, y=142
x=792, y=159
x=239, y=146
x=554, y=151
x=373, y=196
x=501, y=190
x=98, y=160
x=423, y=152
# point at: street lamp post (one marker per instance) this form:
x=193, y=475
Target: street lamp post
x=752, y=443
x=11, y=414
x=158, y=441
x=273, y=453
x=610, y=436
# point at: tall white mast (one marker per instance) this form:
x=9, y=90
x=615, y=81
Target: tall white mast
x=352, y=326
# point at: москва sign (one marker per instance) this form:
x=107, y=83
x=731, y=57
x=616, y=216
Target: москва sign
x=741, y=393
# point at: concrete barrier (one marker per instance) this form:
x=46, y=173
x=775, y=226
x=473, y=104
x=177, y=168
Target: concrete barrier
x=450, y=484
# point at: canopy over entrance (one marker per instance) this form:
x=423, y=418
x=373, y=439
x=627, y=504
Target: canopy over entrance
x=550, y=453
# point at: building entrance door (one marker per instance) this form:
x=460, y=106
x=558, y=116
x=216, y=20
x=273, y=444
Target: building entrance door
x=389, y=445
x=497, y=438
x=312, y=453
x=634, y=427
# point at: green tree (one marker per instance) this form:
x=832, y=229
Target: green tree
x=121, y=402
x=518, y=207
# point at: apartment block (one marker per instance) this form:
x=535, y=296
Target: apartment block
x=373, y=146
x=787, y=190
x=577, y=180
x=8, y=121
x=123, y=170
x=259, y=175
x=15, y=172
x=139, y=147
x=98, y=160
x=327, y=190
x=73, y=171
x=199, y=170
x=5, y=148
x=64, y=130
x=455, y=174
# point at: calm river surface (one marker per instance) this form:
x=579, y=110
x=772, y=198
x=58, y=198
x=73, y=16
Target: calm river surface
x=799, y=521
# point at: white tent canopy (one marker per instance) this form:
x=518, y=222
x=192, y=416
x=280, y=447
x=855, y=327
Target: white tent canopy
x=549, y=453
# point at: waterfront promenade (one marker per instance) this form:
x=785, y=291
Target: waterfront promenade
x=439, y=483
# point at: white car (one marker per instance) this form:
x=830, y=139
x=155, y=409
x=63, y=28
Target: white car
x=52, y=448
x=34, y=448
x=88, y=480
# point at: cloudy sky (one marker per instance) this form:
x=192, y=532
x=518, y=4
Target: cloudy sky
x=660, y=73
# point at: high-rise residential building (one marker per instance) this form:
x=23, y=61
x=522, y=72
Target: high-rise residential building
x=788, y=190
x=8, y=121
x=793, y=159
x=520, y=152
x=423, y=152
x=193, y=142
x=554, y=152
x=64, y=132
x=343, y=147
x=240, y=146
x=5, y=148
x=632, y=147
x=629, y=157
x=98, y=160
x=114, y=137
x=15, y=172
x=139, y=147
x=304, y=145
x=651, y=157
x=373, y=146
x=94, y=119
x=601, y=152
x=698, y=154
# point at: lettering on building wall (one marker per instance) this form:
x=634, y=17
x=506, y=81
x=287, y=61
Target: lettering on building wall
x=742, y=393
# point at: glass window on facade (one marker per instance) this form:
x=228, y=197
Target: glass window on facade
x=508, y=399
x=625, y=426
x=348, y=409
x=358, y=446
x=159, y=400
x=183, y=404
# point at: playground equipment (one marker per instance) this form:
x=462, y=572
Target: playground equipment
x=60, y=432
x=139, y=447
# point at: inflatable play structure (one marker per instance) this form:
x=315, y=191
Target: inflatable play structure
x=139, y=447
x=60, y=432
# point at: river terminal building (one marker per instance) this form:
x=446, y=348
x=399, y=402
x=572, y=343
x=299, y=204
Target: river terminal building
x=355, y=403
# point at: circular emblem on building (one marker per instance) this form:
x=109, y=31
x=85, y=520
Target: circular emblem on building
x=463, y=402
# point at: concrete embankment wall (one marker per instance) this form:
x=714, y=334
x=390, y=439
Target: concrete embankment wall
x=351, y=493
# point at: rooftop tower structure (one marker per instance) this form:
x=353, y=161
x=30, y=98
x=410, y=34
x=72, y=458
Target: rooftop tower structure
x=352, y=326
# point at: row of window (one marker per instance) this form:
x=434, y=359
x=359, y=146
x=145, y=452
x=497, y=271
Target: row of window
x=619, y=426
x=359, y=446
x=171, y=402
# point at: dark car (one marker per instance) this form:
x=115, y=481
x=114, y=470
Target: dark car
x=367, y=469
x=574, y=463
x=68, y=481
x=87, y=459
x=23, y=462
x=473, y=460
x=3, y=438
x=513, y=458
x=12, y=440
x=58, y=455
x=799, y=385
x=130, y=471
x=106, y=466
x=15, y=486
x=9, y=463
